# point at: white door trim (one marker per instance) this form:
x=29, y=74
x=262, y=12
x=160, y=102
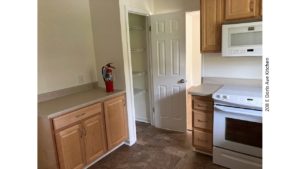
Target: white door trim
x=124, y=10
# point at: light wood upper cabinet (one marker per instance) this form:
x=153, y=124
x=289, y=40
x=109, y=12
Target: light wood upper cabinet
x=94, y=138
x=242, y=9
x=115, y=121
x=70, y=148
x=212, y=14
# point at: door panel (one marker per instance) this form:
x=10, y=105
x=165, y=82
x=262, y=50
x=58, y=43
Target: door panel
x=239, y=9
x=212, y=15
x=70, y=149
x=115, y=121
x=168, y=60
x=95, y=139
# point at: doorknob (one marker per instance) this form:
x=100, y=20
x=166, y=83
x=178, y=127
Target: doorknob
x=181, y=81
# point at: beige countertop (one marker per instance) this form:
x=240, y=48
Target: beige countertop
x=62, y=105
x=204, y=89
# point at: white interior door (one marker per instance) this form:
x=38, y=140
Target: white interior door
x=168, y=63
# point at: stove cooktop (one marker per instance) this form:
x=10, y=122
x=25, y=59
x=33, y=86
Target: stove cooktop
x=239, y=96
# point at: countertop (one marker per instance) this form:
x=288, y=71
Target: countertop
x=65, y=104
x=204, y=89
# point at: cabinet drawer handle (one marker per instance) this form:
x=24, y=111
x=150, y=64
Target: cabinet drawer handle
x=202, y=121
x=80, y=115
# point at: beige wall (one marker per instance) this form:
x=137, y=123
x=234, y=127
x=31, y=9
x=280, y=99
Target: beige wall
x=65, y=45
x=214, y=65
x=106, y=25
x=166, y=6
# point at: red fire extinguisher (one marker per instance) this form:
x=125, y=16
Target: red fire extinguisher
x=108, y=77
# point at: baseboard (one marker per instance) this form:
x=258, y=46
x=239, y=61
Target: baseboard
x=142, y=120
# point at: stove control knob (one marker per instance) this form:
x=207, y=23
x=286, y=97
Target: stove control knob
x=218, y=96
x=225, y=97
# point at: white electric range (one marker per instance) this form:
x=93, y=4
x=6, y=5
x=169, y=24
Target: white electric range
x=237, y=132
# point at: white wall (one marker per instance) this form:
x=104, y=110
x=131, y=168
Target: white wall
x=167, y=6
x=196, y=54
x=65, y=45
x=145, y=5
x=106, y=25
x=214, y=65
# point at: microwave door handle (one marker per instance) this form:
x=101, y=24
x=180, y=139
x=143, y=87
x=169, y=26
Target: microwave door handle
x=238, y=111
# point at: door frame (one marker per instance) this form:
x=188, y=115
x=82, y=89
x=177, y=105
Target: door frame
x=128, y=66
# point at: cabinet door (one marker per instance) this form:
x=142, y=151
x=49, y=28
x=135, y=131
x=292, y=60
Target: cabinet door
x=70, y=148
x=212, y=15
x=94, y=137
x=115, y=121
x=242, y=9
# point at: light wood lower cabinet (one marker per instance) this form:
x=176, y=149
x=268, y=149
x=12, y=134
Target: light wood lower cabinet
x=115, y=120
x=94, y=138
x=202, y=107
x=69, y=148
x=82, y=143
x=78, y=138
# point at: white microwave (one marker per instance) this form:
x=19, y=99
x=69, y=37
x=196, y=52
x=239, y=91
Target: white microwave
x=242, y=39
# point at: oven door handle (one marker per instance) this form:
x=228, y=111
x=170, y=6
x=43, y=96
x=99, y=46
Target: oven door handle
x=256, y=113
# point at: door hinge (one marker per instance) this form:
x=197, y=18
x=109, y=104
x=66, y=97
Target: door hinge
x=150, y=28
x=153, y=109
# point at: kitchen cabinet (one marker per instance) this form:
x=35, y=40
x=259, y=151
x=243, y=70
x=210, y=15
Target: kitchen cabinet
x=202, y=107
x=69, y=148
x=212, y=15
x=74, y=139
x=242, y=9
x=115, y=120
x=80, y=143
x=94, y=138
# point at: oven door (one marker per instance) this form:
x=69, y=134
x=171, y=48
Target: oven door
x=238, y=130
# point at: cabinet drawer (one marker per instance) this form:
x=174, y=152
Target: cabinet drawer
x=202, y=120
x=201, y=104
x=76, y=116
x=202, y=139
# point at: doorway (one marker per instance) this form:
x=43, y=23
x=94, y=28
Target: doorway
x=193, y=59
x=139, y=64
